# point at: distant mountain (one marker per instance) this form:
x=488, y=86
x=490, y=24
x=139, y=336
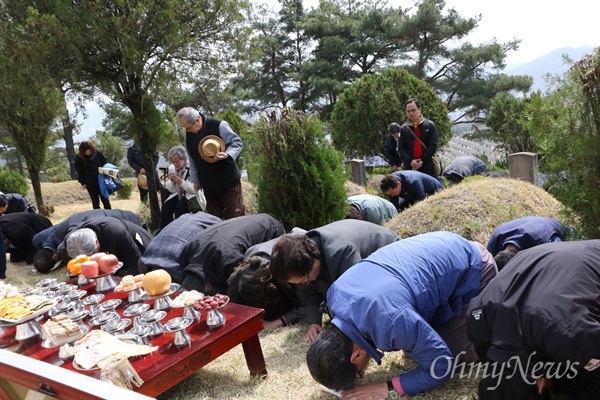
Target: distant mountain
x=551, y=63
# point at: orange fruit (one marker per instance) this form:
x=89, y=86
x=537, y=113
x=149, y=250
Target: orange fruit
x=82, y=258
x=75, y=268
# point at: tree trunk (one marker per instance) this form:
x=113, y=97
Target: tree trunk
x=20, y=163
x=34, y=174
x=69, y=144
x=144, y=139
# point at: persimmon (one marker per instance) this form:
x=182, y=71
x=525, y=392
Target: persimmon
x=75, y=268
x=82, y=258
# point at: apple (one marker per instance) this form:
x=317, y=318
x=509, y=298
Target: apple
x=108, y=263
x=96, y=257
x=89, y=269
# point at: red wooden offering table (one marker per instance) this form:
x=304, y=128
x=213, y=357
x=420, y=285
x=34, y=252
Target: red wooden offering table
x=169, y=365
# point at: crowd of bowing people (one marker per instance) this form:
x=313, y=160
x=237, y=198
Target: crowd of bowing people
x=381, y=293
x=442, y=299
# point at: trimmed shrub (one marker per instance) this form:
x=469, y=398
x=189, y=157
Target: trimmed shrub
x=12, y=182
x=299, y=175
x=125, y=192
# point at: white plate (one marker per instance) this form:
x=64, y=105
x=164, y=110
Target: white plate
x=30, y=316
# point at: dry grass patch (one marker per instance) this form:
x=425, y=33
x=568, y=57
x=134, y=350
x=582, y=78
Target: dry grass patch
x=475, y=207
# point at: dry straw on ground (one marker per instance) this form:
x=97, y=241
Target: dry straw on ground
x=473, y=209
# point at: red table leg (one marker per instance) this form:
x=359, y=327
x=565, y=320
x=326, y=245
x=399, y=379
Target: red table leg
x=254, y=357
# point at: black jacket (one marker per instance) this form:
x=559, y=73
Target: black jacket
x=20, y=228
x=124, y=239
x=429, y=136
x=211, y=255
x=546, y=300
x=87, y=168
x=18, y=203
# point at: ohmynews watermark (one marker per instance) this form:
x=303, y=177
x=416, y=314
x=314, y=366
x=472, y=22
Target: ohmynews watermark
x=529, y=372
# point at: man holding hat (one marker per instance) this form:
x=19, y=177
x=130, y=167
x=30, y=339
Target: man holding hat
x=135, y=161
x=213, y=148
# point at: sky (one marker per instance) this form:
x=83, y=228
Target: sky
x=542, y=26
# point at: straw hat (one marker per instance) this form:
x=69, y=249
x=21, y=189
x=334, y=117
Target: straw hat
x=209, y=147
x=142, y=181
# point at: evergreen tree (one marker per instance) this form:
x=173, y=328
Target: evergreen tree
x=299, y=175
x=361, y=116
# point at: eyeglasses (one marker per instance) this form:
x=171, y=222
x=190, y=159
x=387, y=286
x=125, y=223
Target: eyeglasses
x=187, y=128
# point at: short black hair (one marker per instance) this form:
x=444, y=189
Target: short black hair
x=394, y=127
x=388, y=182
x=413, y=100
x=43, y=261
x=503, y=257
x=3, y=201
x=329, y=360
x=293, y=256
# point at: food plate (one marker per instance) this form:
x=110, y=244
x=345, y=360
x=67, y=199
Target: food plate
x=29, y=317
x=79, y=367
x=174, y=287
x=126, y=291
x=186, y=299
x=45, y=282
x=220, y=296
x=177, y=324
x=120, y=265
x=48, y=344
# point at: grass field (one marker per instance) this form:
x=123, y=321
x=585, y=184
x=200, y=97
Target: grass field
x=473, y=209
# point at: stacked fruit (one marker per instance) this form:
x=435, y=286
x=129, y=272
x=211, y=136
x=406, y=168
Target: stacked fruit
x=208, y=303
x=91, y=266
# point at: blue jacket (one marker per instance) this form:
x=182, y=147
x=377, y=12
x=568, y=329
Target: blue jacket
x=525, y=233
x=397, y=297
x=416, y=185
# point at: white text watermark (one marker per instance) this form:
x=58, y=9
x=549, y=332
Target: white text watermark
x=529, y=371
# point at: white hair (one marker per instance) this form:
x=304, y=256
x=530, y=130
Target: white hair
x=82, y=241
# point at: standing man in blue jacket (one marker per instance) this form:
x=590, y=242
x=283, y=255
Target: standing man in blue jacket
x=405, y=188
x=411, y=295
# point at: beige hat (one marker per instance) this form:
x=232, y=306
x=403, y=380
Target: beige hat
x=142, y=181
x=209, y=147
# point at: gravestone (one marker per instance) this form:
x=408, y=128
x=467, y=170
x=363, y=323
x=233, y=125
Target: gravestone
x=523, y=166
x=359, y=172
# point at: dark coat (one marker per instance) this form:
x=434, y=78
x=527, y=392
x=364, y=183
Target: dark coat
x=124, y=239
x=67, y=225
x=429, y=136
x=17, y=203
x=165, y=249
x=391, y=150
x=20, y=228
x=342, y=244
x=211, y=255
x=545, y=300
x=87, y=169
x=462, y=167
x=136, y=161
